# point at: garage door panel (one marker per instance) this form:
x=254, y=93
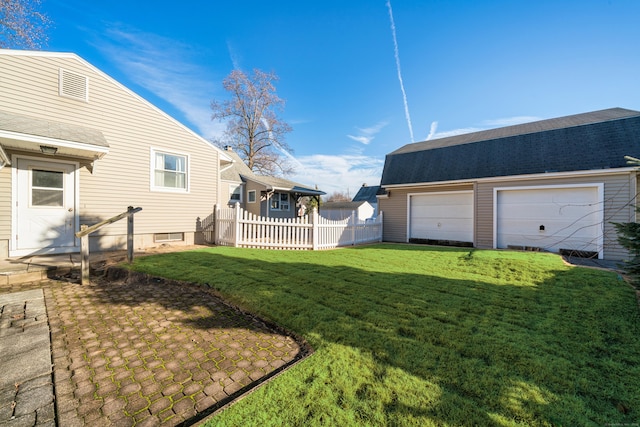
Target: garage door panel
x=571, y=218
x=532, y=226
x=442, y=216
x=449, y=230
x=533, y=211
x=444, y=212
x=556, y=196
x=553, y=244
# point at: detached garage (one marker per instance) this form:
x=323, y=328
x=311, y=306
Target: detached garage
x=550, y=218
x=444, y=217
x=553, y=185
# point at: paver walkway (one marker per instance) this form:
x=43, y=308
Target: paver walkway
x=26, y=389
x=157, y=353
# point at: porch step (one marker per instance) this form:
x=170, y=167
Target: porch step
x=30, y=274
x=24, y=273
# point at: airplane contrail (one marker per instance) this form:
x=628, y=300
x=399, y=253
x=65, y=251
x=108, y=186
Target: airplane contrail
x=397, y=55
x=432, y=130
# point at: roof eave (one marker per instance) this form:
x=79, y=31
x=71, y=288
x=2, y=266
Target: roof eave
x=545, y=175
x=26, y=142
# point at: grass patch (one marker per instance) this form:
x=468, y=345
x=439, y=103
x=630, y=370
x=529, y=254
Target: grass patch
x=414, y=335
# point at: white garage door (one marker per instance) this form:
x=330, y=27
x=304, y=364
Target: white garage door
x=442, y=216
x=550, y=218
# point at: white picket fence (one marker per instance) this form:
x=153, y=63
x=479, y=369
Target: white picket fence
x=239, y=228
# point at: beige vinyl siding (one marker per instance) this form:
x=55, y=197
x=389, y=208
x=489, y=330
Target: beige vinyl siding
x=394, y=219
x=394, y=208
x=619, y=193
x=131, y=127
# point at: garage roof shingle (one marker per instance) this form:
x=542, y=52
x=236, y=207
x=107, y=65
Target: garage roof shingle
x=595, y=140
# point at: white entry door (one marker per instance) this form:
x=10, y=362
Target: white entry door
x=45, y=218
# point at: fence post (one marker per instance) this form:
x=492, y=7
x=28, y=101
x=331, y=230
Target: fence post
x=84, y=256
x=353, y=228
x=237, y=225
x=314, y=229
x=130, y=234
x=216, y=236
x=381, y=226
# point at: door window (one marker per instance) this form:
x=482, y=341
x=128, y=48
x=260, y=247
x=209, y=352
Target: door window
x=47, y=188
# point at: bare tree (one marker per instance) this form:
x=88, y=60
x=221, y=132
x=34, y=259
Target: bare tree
x=338, y=196
x=254, y=130
x=22, y=25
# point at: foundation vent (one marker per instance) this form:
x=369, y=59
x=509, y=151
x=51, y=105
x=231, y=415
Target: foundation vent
x=73, y=85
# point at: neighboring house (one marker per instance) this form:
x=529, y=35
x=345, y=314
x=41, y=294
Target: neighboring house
x=368, y=194
x=77, y=147
x=550, y=185
x=342, y=210
x=264, y=196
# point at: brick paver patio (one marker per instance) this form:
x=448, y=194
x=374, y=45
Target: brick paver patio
x=153, y=353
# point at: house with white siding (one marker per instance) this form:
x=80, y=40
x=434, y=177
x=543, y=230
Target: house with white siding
x=368, y=194
x=77, y=147
x=337, y=211
x=553, y=185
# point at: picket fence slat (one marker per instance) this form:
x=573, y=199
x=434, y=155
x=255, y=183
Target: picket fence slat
x=236, y=227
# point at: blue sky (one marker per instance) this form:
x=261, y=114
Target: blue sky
x=362, y=78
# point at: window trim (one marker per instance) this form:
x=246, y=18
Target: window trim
x=152, y=171
x=240, y=188
x=249, y=193
x=157, y=239
x=59, y=190
x=279, y=195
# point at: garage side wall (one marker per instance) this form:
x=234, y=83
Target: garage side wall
x=619, y=201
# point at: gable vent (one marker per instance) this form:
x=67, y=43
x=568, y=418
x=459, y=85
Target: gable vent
x=74, y=85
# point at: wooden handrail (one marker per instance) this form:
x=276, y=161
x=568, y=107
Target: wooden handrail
x=88, y=230
x=84, y=232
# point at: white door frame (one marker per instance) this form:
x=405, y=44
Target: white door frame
x=13, y=243
x=598, y=185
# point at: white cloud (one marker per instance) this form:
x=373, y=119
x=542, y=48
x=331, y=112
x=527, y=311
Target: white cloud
x=363, y=139
x=338, y=172
x=163, y=66
x=366, y=135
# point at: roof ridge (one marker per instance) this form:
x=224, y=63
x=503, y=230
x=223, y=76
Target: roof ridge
x=573, y=120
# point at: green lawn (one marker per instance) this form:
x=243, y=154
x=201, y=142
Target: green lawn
x=417, y=335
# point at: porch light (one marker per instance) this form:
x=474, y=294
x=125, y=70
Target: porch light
x=48, y=150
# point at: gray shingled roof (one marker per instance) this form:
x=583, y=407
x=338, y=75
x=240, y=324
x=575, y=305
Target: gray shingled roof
x=595, y=140
x=241, y=172
x=18, y=123
x=367, y=194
